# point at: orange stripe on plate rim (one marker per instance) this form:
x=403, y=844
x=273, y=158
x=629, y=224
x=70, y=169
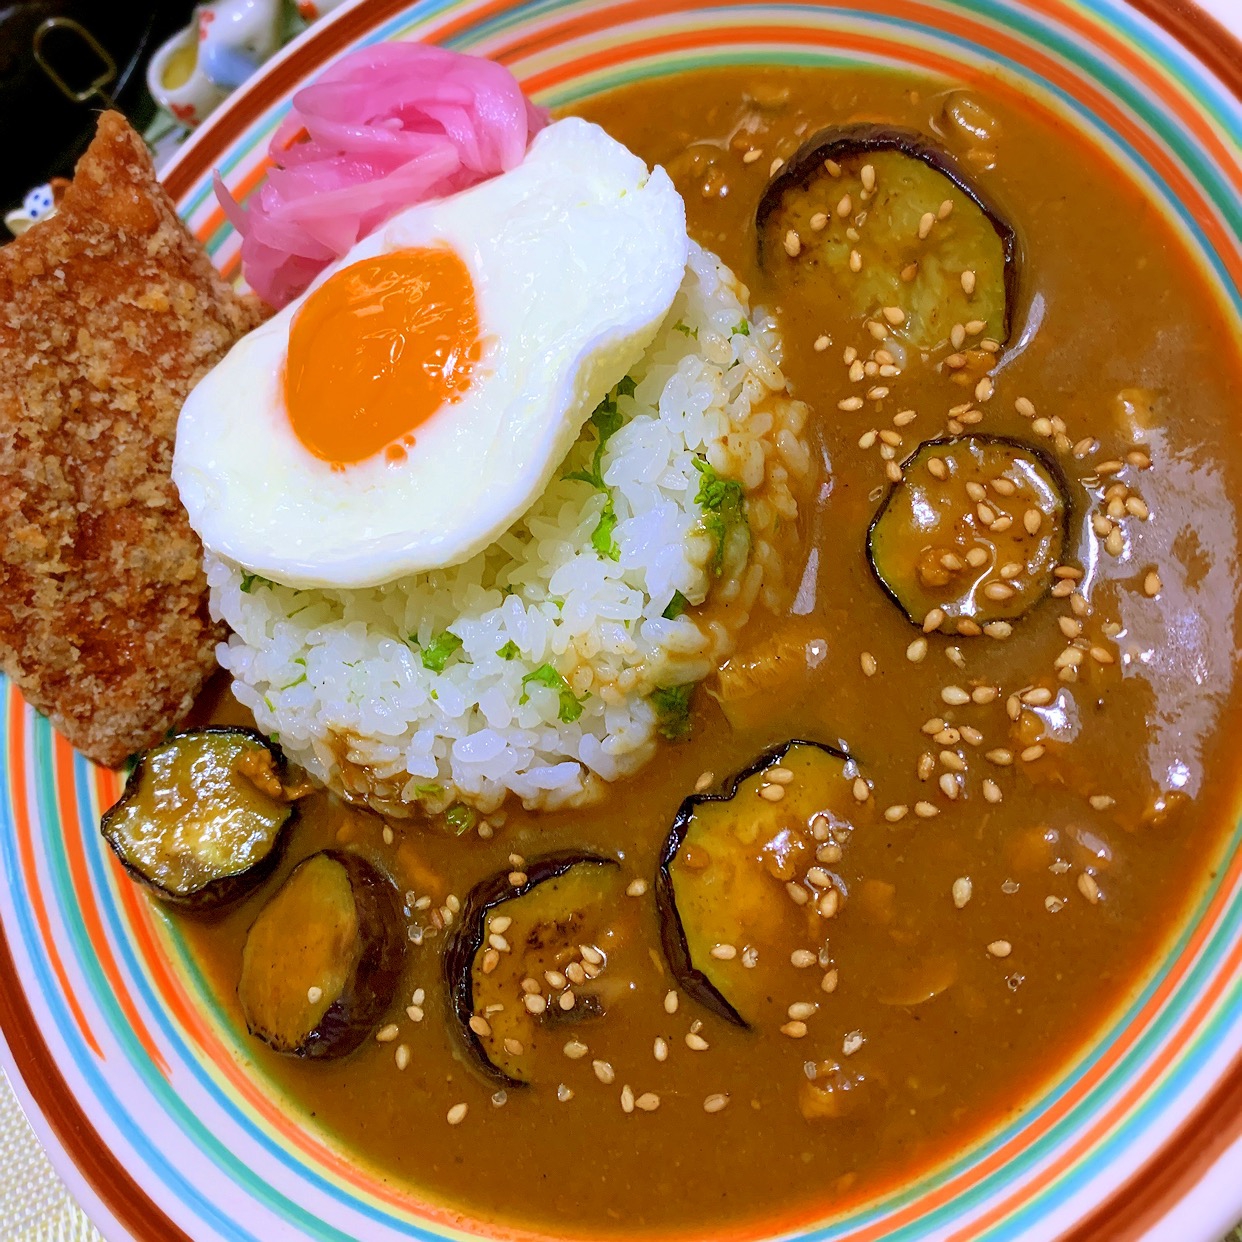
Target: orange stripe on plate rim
x=25, y=845
x=84, y=894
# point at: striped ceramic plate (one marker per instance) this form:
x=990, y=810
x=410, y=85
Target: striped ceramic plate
x=131, y=1074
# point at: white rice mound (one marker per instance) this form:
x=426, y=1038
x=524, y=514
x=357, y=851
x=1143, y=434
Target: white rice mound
x=338, y=675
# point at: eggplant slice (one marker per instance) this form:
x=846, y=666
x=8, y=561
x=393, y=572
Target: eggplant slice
x=745, y=881
x=867, y=218
x=528, y=961
x=975, y=528
x=321, y=963
x=204, y=816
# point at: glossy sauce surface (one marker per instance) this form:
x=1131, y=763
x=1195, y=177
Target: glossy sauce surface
x=983, y=939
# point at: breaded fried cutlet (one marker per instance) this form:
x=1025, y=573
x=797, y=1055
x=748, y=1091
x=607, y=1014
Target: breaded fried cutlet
x=109, y=313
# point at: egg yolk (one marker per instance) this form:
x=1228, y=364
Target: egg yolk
x=378, y=349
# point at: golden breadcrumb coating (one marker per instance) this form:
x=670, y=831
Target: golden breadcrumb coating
x=109, y=313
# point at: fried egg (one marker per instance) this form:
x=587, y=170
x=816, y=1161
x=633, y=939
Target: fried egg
x=418, y=398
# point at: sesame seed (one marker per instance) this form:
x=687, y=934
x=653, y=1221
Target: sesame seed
x=998, y=591
x=799, y=1011
x=957, y=335
x=862, y=791
x=627, y=1099
x=821, y=344
x=895, y=315
x=852, y=1043
x=797, y=893
x=386, y=1034
x=575, y=1050
x=479, y=1025
x=457, y=1114
x=793, y=244
x=775, y=166
x=513, y=1047
x=566, y=1001
x=517, y=878
x=772, y=793
x=984, y=389
x=991, y=791
x=903, y=418
x=1001, y=757
x=402, y=1056
x=968, y=283
x=535, y=1004
x=1101, y=655
x=659, y=1049
x=892, y=472
x=802, y=958
x=779, y=775
x=648, y=1102
x=1115, y=543
x=723, y=952
x=948, y=785
x=937, y=468
x=415, y=1013
x=855, y=261
x=564, y=1093
x=950, y=758
x=1031, y=753
x=695, y=1042
x=1088, y=887
x=819, y=221
x=715, y=1102
x=795, y=1030
x=955, y=696
x=751, y=156
x=984, y=694
x=1152, y=585
x=845, y=206
x=498, y=942
x=850, y=403
x=1101, y=802
x=834, y=169
x=933, y=620
x=818, y=877
x=891, y=438
x=1041, y=696
x=917, y=650
x=828, y=984
x=604, y=1072
x=867, y=439
x=925, y=810
x=896, y=813
x=1000, y=948
x=829, y=903
x=926, y=220
x=314, y=995
x=962, y=889
x=636, y=888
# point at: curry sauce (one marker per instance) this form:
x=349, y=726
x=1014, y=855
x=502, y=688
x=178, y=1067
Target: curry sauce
x=1034, y=808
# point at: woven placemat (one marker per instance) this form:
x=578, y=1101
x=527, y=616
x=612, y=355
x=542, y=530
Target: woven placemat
x=35, y=1205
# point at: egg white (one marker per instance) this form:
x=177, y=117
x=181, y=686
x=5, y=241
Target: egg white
x=576, y=256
